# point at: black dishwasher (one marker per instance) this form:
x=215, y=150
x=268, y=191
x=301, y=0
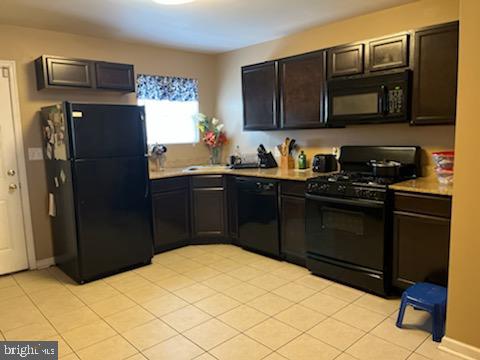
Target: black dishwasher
x=258, y=215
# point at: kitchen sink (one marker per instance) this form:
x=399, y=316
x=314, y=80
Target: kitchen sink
x=206, y=168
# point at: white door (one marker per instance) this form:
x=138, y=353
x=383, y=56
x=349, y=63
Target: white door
x=13, y=252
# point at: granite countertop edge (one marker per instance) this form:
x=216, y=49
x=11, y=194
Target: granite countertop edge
x=425, y=185
x=274, y=173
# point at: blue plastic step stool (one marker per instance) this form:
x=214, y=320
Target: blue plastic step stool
x=428, y=297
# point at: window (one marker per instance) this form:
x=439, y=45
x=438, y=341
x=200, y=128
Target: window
x=170, y=105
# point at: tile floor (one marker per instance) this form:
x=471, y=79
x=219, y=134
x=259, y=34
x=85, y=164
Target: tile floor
x=210, y=302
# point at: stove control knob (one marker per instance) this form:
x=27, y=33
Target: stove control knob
x=312, y=187
x=324, y=187
x=342, y=188
x=369, y=194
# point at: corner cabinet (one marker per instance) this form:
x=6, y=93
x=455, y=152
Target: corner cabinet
x=421, y=239
x=171, y=213
x=260, y=96
x=302, y=91
x=65, y=73
x=209, y=215
x=435, y=75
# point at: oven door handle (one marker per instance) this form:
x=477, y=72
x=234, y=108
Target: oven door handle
x=357, y=202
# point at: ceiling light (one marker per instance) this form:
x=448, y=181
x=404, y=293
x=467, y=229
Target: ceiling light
x=173, y=2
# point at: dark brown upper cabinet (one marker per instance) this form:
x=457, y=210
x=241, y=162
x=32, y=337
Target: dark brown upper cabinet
x=302, y=91
x=115, y=76
x=290, y=93
x=388, y=53
x=63, y=73
x=435, y=75
x=60, y=72
x=260, y=96
x=346, y=60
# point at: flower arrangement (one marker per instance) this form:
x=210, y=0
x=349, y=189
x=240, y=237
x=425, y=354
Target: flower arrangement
x=212, y=130
x=213, y=135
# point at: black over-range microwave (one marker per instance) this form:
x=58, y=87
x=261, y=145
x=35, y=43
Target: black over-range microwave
x=373, y=99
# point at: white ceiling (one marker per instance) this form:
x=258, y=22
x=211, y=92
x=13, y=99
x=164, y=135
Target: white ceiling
x=204, y=25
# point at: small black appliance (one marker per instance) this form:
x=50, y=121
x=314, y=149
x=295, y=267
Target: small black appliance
x=324, y=163
x=373, y=99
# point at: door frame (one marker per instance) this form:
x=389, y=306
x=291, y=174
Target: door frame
x=20, y=157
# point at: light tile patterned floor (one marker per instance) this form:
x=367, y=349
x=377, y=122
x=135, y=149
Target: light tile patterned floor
x=210, y=302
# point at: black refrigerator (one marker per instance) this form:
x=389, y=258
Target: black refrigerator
x=99, y=199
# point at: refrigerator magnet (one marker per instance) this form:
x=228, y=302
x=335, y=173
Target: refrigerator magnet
x=49, y=151
x=63, y=177
x=52, y=211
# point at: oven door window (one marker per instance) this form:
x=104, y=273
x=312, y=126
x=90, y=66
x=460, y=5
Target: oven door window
x=352, y=222
x=355, y=104
x=346, y=232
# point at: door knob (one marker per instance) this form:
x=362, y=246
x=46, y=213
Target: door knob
x=11, y=172
x=12, y=187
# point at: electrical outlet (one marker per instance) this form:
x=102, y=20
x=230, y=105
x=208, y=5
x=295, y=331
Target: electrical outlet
x=35, y=154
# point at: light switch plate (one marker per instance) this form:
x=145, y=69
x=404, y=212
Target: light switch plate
x=35, y=154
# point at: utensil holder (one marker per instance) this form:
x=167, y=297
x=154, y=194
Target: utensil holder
x=287, y=162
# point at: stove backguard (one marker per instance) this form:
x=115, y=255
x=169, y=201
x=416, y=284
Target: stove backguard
x=356, y=158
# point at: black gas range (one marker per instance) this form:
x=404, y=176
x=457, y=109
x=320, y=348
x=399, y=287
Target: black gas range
x=348, y=221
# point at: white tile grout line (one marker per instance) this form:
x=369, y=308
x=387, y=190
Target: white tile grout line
x=46, y=318
x=267, y=271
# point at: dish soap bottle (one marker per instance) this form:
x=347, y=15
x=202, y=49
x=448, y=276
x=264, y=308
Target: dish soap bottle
x=302, y=160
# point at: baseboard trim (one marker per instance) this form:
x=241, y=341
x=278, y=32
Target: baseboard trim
x=459, y=349
x=45, y=263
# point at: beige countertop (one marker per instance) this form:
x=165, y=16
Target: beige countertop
x=426, y=185
x=275, y=173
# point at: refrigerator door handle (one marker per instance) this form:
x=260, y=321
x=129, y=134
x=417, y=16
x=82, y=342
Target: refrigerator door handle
x=146, y=188
x=147, y=179
x=144, y=130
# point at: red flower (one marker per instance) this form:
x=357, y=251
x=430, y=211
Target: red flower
x=222, y=138
x=209, y=138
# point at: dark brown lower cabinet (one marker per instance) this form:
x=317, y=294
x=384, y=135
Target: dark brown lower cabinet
x=171, y=214
x=292, y=221
x=421, y=239
x=209, y=219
